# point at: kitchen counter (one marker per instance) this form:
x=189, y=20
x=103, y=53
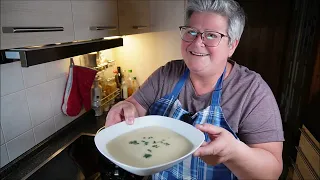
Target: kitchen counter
x=28, y=162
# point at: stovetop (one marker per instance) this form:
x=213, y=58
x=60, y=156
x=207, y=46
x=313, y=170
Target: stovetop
x=81, y=160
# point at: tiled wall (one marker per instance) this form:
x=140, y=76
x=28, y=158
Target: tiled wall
x=30, y=105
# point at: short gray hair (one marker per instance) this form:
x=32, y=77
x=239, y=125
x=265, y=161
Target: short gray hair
x=227, y=8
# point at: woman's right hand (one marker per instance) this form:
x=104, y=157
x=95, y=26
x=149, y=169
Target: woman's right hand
x=122, y=111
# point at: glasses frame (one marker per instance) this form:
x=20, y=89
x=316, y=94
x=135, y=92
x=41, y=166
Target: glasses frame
x=201, y=33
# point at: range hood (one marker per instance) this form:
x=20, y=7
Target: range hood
x=33, y=55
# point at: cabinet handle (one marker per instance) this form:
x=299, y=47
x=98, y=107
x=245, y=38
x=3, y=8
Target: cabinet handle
x=30, y=29
x=307, y=163
x=296, y=169
x=313, y=145
x=139, y=27
x=98, y=28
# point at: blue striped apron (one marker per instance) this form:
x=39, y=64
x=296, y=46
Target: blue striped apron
x=193, y=168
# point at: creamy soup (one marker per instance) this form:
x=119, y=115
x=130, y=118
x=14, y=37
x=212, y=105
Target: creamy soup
x=149, y=146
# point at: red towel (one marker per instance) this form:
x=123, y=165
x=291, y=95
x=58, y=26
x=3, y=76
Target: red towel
x=78, y=89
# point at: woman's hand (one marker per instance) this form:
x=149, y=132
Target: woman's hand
x=221, y=148
x=122, y=111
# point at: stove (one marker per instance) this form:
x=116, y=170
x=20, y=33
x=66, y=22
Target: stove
x=81, y=160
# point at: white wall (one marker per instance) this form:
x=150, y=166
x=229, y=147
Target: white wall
x=144, y=53
x=30, y=105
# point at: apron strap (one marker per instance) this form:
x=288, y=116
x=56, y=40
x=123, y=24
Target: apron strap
x=180, y=84
x=216, y=95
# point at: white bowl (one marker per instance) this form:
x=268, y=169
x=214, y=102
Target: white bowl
x=195, y=136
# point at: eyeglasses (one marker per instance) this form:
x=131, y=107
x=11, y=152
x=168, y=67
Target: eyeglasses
x=209, y=38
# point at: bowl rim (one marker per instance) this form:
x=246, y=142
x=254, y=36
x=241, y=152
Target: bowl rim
x=110, y=157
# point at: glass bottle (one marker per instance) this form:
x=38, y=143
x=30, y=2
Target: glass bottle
x=96, y=97
x=124, y=89
x=129, y=83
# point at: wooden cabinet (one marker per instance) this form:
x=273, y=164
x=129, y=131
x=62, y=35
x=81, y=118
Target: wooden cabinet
x=51, y=21
x=66, y=21
x=166, y=15
x=95, y=19
x=134, y=16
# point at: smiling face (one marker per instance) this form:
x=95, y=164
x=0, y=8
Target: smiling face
x=200, y=58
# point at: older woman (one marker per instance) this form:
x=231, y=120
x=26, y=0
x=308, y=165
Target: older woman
x=231, y=104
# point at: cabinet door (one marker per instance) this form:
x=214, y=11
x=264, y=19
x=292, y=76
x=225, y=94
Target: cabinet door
x=49, y=21
x=134, y=16
x=167, y=15
x=95, y=19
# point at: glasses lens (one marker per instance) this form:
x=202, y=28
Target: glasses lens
x=211, y=38
x=188, y=34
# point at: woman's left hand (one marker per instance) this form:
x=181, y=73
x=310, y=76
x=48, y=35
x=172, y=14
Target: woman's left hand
x=221, y=148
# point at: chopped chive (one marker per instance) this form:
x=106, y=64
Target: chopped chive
x=149, y=150
x=145, y=142
x=147, y=155
x=133, y=142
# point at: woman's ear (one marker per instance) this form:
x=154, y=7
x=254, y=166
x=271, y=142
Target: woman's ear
x=233, y=47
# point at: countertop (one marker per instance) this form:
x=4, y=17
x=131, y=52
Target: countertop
x=22, y=166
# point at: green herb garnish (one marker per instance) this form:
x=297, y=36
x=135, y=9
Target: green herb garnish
x=145, y=142
x=155, y=146
x=133, y=142
x=149, y=150
x=150, y=137
x=147, y=155
x=167, y=144
x=154, y=142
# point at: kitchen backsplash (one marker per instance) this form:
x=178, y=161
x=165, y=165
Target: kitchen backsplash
x=31, y=105
x=31, y=97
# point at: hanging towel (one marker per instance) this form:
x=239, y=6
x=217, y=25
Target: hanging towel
x=78, y=89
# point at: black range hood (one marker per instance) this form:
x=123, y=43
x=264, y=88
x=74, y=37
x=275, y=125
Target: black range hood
x=33, y=55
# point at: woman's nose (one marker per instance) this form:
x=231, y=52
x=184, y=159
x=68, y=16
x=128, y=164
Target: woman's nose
x=198, y=40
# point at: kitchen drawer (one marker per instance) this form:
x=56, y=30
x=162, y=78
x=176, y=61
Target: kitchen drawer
x=134, y=16
x=95, y=19
x=310, y=147
x=304, y=166
x=36, y=14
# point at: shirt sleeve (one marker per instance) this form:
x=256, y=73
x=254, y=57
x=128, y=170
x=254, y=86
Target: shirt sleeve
x=261, y=122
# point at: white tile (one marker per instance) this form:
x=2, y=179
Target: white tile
x=39, y=102
x=34, y=75
x=2, y=138
x=61, y=120
x=21, y=144
x=4, y=156
x=11, y=78
x=57, y=87
x=15, y=118
x=44, y=130
x=56, y=69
